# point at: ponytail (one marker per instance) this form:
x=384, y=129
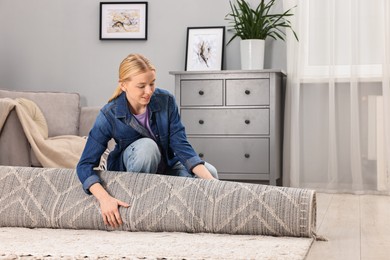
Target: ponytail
x=116, y=93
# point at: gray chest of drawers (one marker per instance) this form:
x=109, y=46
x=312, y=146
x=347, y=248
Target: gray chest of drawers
x=233, y=119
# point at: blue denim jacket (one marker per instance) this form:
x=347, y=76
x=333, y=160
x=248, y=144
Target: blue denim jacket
x=116, y=121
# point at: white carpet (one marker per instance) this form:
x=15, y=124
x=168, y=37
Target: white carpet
x=23, y=243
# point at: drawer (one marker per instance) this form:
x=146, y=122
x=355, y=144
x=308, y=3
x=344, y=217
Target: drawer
x=226, y=121
x=234, y=155
x=201, y=93
x=240, y=92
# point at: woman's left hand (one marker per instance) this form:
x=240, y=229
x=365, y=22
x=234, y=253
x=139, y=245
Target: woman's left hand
x=201, y=171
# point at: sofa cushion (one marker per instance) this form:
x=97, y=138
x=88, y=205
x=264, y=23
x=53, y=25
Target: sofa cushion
x=87, y=119
x=61, y=110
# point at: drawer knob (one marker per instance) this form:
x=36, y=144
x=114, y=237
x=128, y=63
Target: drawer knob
x=201, y=155
x=247, y=91
x=247, y=155
x=201, y=92
x=201, y=122
x=247, y=121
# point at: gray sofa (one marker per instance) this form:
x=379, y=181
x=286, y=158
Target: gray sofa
x=63, y=114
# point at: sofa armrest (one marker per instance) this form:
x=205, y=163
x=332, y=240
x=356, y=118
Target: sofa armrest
x=87, y=119
x=14, y=146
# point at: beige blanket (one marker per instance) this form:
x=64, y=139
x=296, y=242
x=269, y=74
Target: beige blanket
x=56, y=152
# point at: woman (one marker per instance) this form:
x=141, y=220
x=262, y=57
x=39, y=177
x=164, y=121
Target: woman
x=150, y=138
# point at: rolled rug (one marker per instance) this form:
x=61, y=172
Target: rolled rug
x=54, y=198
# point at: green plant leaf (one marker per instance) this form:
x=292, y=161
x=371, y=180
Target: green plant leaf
x=258, y=23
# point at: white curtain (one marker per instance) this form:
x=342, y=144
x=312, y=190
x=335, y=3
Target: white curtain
x=337, y=110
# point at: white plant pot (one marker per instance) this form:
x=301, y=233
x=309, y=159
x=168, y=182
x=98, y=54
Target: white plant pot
x=252, y=54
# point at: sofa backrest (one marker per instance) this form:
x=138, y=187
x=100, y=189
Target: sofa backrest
x=61, y=110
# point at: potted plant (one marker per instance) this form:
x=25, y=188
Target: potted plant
x=253, y=26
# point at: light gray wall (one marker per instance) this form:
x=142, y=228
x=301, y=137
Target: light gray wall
x=54, y=44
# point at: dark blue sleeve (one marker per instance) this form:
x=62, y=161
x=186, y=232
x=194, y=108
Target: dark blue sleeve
x=96, y=144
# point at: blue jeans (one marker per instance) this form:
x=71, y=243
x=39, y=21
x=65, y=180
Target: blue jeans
x=144, y=156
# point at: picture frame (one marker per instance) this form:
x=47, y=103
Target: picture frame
x=205, y=48
x=123, y=21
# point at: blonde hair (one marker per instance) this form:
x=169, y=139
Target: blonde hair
x=131, y=66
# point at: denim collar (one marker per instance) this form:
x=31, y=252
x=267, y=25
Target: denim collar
x=123, y=112
x=121, y=106
x=122, y=109
x=154, y=105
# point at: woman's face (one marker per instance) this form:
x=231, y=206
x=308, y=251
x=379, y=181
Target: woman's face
x=139, y=90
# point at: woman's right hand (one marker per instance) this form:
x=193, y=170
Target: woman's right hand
x=109, y=205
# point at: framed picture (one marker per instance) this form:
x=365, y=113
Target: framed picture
x=205, y=48
x=123, y=20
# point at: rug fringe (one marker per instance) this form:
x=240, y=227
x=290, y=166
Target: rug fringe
x=317, y=237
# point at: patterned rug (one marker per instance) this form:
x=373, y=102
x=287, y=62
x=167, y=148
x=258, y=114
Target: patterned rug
x=45, y=214
x=24, y=243
x=53, y=198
